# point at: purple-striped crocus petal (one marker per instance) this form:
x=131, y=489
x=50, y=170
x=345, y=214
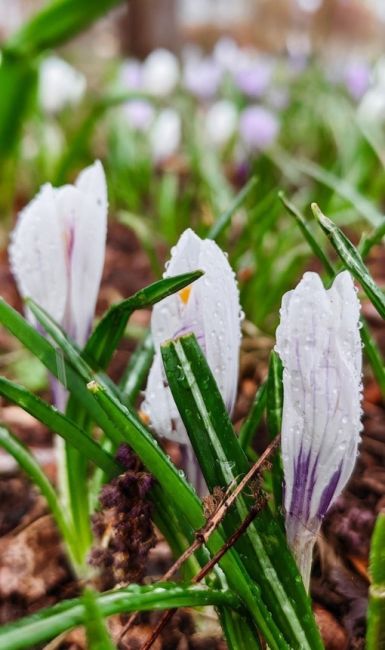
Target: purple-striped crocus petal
x=210, y=309
x=57, y=250
x=319, y=343
x=37, y=255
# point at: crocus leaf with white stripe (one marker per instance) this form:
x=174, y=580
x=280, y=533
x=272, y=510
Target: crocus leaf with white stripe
x=351, y=259
x=318, y=340
x=210, y=309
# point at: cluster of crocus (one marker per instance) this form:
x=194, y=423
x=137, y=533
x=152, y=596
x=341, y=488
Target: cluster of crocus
x=319, y=343
x=250, y=129
x=214, y=320
x=57, y=251
x=57, y=254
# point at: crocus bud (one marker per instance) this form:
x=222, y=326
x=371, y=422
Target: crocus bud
x=160, y=73
x=318, y=340
x=210, y=309
x=57, y=250
x=60, y=85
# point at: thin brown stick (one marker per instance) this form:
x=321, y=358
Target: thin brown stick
x=204, y=571
x=203, y=535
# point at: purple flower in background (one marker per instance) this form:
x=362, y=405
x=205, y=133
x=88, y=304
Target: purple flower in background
x=139, y=114
x=318, y=340
x=258, y=127
x=254, y=77
x=202, y=77
x=130, y=75
x=357, y=78
x=57, y=250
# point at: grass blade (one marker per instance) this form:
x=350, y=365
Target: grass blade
x=98, y=637
x=252, y=421
x=31, y=467
x=60, y=424
x=224, y=219
x=56, y=23
x=375, y=637
x=107, y=334
x=49, y=623
x=352, y=260
x=274, y=418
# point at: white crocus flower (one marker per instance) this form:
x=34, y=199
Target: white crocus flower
x=210, y=309
x=221, y=122
x=57, y=250
x=319, y=343
x=165, y=134
x=160, y=73
x=60, y=85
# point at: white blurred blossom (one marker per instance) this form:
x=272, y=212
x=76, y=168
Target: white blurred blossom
x=221, y=122
x=165, y=134
x=160, y=73
x=60, y=85
x=319, y=343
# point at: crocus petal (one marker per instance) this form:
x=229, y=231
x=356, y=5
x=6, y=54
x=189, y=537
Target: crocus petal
x=37, y=256
x=318, y=341
x=57, y=250
x=198, y=309
x=88, y=204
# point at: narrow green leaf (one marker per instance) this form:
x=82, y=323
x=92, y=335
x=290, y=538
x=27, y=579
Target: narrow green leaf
x=137, y=370
x=224, y=219
x=341, y=187
x=274, y=419
x=31, y=467
x=368, y=241
x=59, y=423
x=253, y=419
x=351, y=259
x=308, y=235
x=263, y=546
x=48, y=355
x=98, y=637
x=49, y=623
x=375, y=638
x=107, y=334
x=17, y=84
x=238, y=632
x=56, y=23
